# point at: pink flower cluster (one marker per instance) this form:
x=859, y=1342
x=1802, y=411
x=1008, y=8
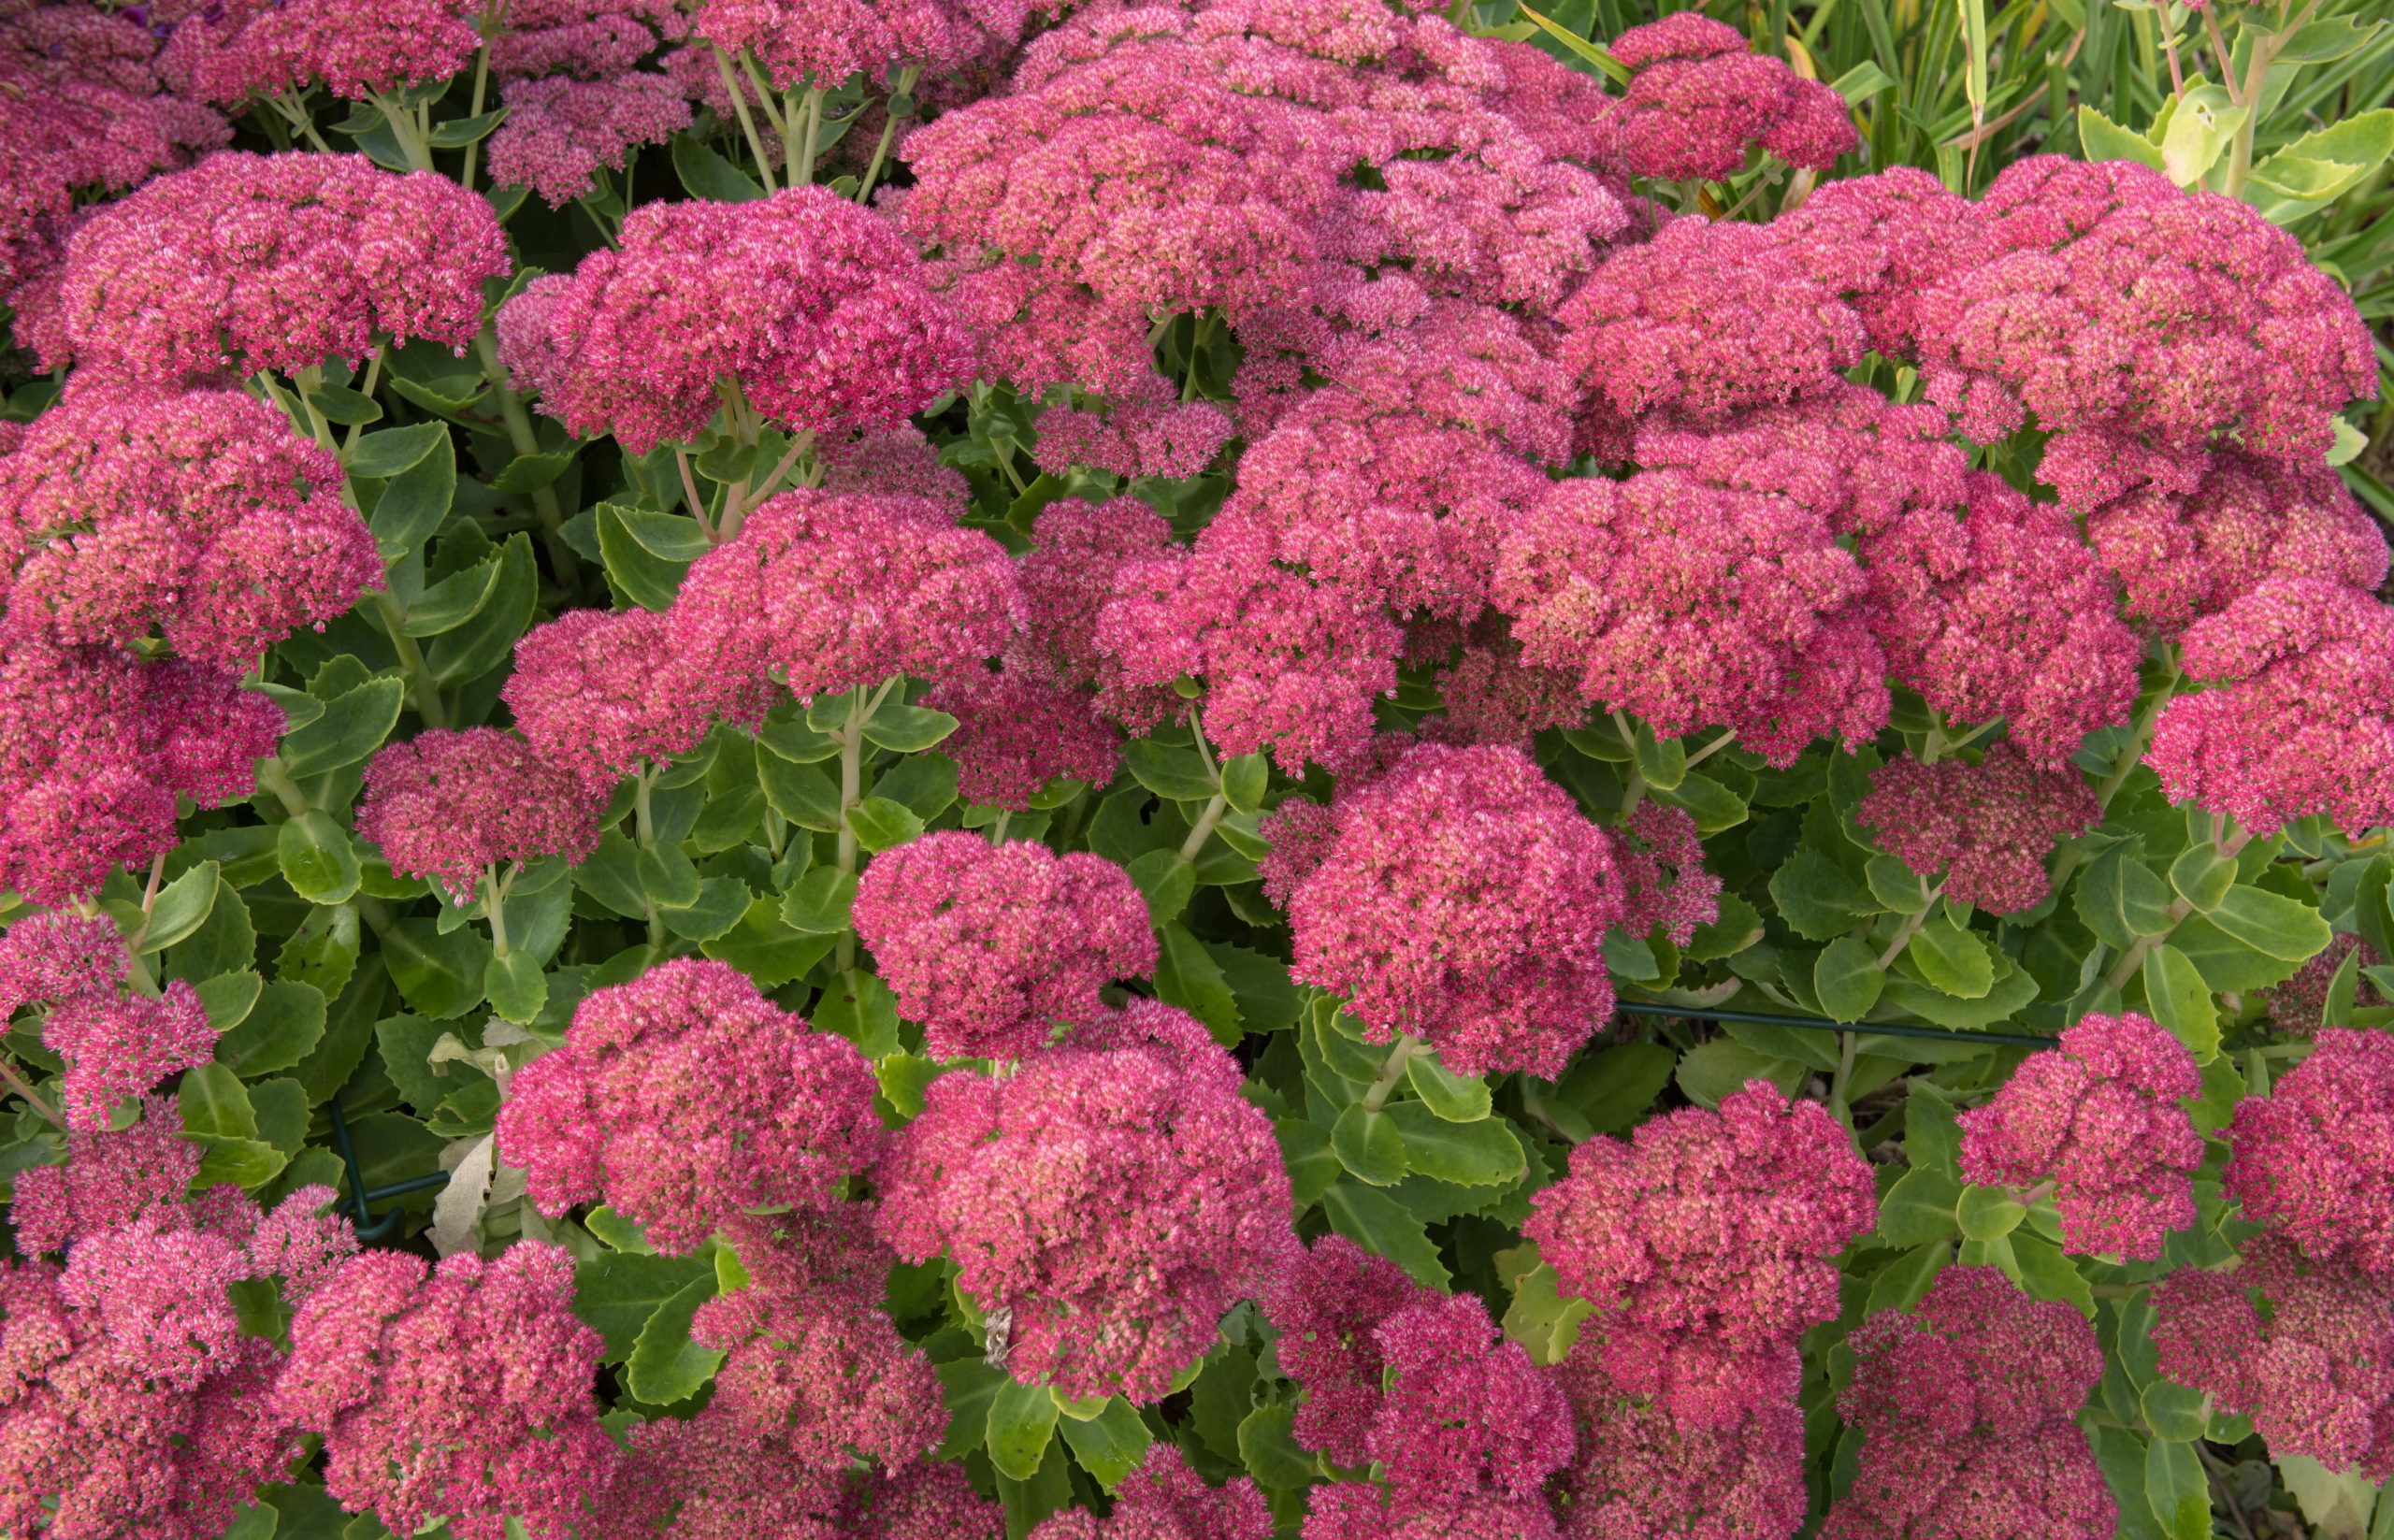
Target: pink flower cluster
x=1103, y=1207
x=2299, y=1006
x=2303, y=1346
x=131, y=1400
x=117, y=1043
x=1693, y=606
x=1460, y=1424
x=2311, y=1158
x=458, y=1391
x=240, y=48
x=1707, y=1242
x=203, y=516
x=1980, y=831
x=1661, y=867
x=1463, y=899
x=599, y=692
x=1698, y=99
x=1016, y=731
x=575, y=101
x=1163, y=1497
x=684, y=1097
x=96, y=748
x=821, y=43
x=1967, y=1406
x=2302, y=720
x=813, y=310
x=449, y=806
x=2102, y=1117
x=1644, y=1474
x=993, y=947
x=250, y=262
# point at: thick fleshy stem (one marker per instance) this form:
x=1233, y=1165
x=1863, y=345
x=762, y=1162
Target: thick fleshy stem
x=1217, y=807
x=525, y=441
x=905, y=92
x=495, y=887
x=2133, y=959
x=1912, y=923
x=423, y=692
x=851, y=737
x=33, y=1099
x=644, y=834
x=494, y=17
x=1407, y=1048
x=747, y=120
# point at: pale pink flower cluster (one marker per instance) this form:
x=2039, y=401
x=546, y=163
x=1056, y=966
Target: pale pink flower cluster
x=2304, y=1347
x=2313, y=1158
x=1643, y=1473
x=203, y=516
x=814, y=310
x=2102, y=1118
x=1289, y=665
x=1967, y=1406
x=458, y=1391
x=829, y=593
x=1696, y=99
x=1463, y=899
x=2004, y=611
x=2182, y=558
x=1165, y=1499
x=1110, y=1200
x=2301, y=722
x=1458, y=1422
x=993, y=947
x=117, y=1043
x=684, y=1098
x=80, y=110
x=131, y=1400
x=96, y=750
x=248, y=262
x=1662, y=867
x=1692, y=606
x=240, y=48
x=1707, y=1242
x=2108, y=301
x=447, y=805
x=1980, y=831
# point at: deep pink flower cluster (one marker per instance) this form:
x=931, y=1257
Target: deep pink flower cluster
x=2004, y=611
x=80, y=110
x=1883, y=243
x=1289, y=665
x=587, y=39
x=131, y=1400
x=835, y=593
x=1662, y=867
x=1165, y=1499
x=448, y=805
x=461, y=1390
x=2303, y=723
x=117, y=1043
x=684, y=1098
x=1078, y=552
x=2102, y=1117
x=1708, y=1241
x=2311, y=1158
x=2108, y=301
x=2303, y=1346
x=248, y=262
x=1015, y=731
x=1698, y=99
x=1643, y=1473
x=812, y=309
x=2299, y=1006
x=2184, y=557
x=1491, y=696
x=240, y=49
x=1693, y=607
x=1147, y=429
x=597, y=692
x=1980, y=831
x=1967, y=1407
x=1462, y=900
x=203, y=515
x=1106, y=1204
x=993, y=947
x=1457, y=1419
x=821, y=43
x=560, y=132
x=96, y=747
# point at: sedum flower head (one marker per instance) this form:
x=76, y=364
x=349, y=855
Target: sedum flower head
x=1643, y=1473
x=1696, y=99
x=560, y=133
x=1463, y=899
x=684, y=1098
x=1109, y=1200
x=445, y=805
x=1662, y=866
x=2101, y=1116
x=597, y=692
x=242, y=48
x=813, y=307
x=1980, y=831
x=1162, y=1498
x=1966, y=1405
x=992, y=947
x=1015, y=732
x=2311, y=1158
x=248, y=262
